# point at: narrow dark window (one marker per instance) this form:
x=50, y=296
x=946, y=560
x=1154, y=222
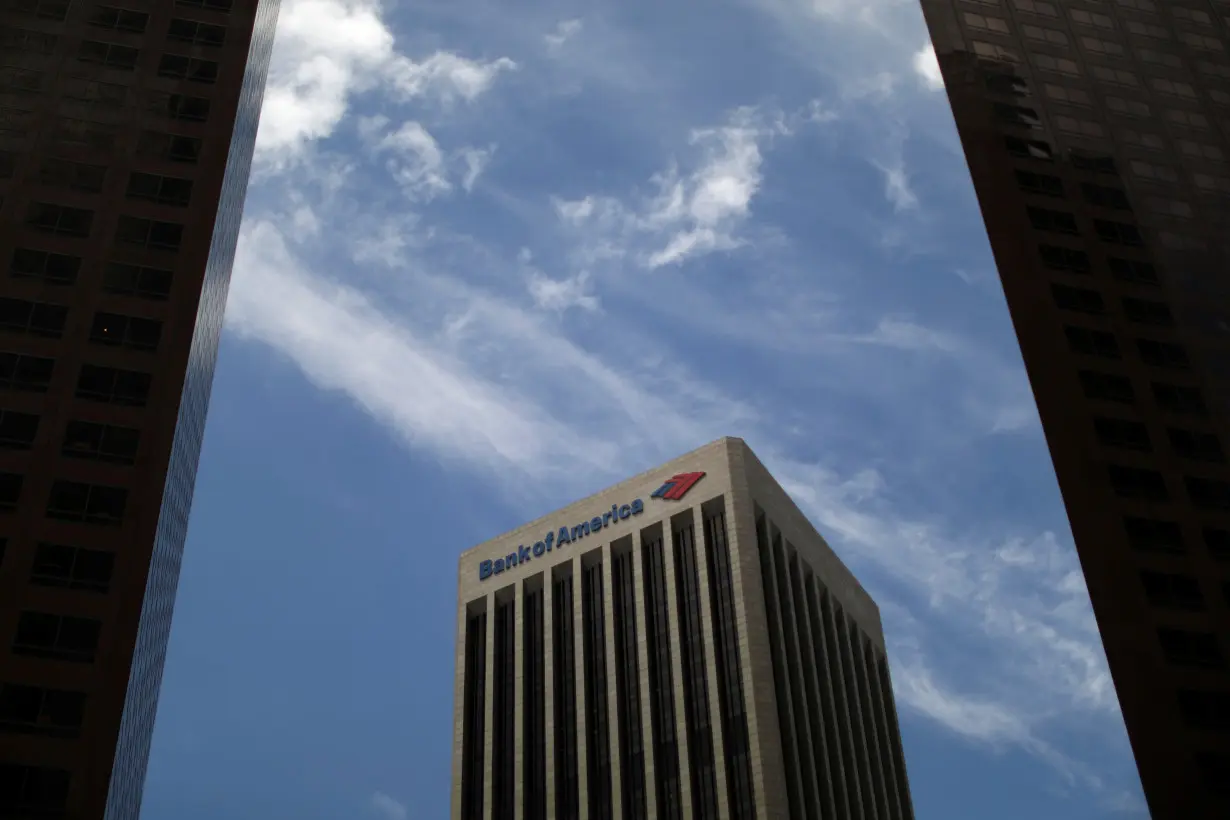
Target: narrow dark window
x=503, y=742
x=661, y=687
x=695, y=679
x=33, y=791
x=567, y=797
x=735, y=738
x=597, y=728
x=534, y=729
x=473, y=728
x=628, y=688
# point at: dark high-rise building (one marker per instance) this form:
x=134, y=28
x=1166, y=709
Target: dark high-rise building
x=126, y=136
x=1097, y=133
x=681, y=646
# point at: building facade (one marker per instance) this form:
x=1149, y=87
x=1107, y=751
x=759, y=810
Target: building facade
x=1097, y=134
x=126, y=137
x=681, y=646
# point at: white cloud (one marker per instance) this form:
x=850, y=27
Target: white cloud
x=329, y=50
x=897, y=187
x=565, y=31
x=389, y=808
x=476, y=161
x=561, y=294
x=417, y=162
x=927, y=67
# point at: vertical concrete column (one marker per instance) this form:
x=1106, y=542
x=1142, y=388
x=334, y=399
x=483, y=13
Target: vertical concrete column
x=642, y=666
x=764, y=735
x=888, y=765
x=819, y=724
x=853, y=761
x=578, y=650
x=870, y=707
x=612, y=676
x=681, y=730
x=548, y=673
x=704, y=546
x=519, y=701
x=489, y=709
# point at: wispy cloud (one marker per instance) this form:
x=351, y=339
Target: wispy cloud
x=565, y=31
x=388, y=808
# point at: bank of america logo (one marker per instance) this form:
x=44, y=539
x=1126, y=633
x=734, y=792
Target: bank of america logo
x=676, y=487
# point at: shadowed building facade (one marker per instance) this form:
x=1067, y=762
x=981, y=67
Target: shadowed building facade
x=126, y=137
x=1097, y=134
x=681, y=646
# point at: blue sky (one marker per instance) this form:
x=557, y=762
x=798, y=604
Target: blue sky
x=498, y=256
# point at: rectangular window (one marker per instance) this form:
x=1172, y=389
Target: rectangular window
x=503, y=730
x=597, y=724
x=21, y=80
x=136, y=280
x=1091, y=342
x=1019, y=115
x=1107, y=387
x=1105, y=197
x=8, y=164
x=1028, y=149
x=695, y=677
x=1205, y=710
x=20, y=39
x=161, y=189
x=179, y=67
x=1152, y=535
x=1128, y=108
x=150, y=233
x=1056, y=221
x=564, y=672
x=473, y=729
x=1096, y=163
x=1202, y=42
x=173, y=147
x=212, y=5
x=1123, y=434
x=1042, y=34
x=1137, y=484
x=985, y=22
x=661, y=685
x=111, y=55
x=34, y=318
x=101, y=442
x=627, y=688
x=534, y=725
x=1132, y=270
x=196, y=33
x=59, y=219
x=132, y=332
x=75, y=176
x=1167, y=590
x=1208, y=493
x=1039, y=7
x=87, y=503
x=1059, y=65
x=112, y=385
x=1180, y=399
x=110, y=17
x=1186, y=648
x=1147, y=312
x=1042, y=184
x=1196, y=445
x=1147, y=29
x=57, y=637
x=1163, y=354
x=731, y=700
x=91, y=138
x=180, y=106
x=19, y=372
x=1121, y=233
x=1087, y=18
x=1081, y=300
x=42, y=9
x=17, y=430
x=35, y=710
x=1057, y=257
x=57, y=565
x=1104, y=48
x=89, y=90
x=34, y=791
x=1071, y=96
x=10, y=491
x=1006, y=84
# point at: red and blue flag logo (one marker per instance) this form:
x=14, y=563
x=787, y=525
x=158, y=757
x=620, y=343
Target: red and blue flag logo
x=676, y=487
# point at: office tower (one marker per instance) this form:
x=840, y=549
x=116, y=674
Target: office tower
x=681, y=646
x=126, y=136
x=1096, y=134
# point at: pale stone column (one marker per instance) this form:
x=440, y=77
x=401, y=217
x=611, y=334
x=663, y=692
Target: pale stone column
x=459, y=697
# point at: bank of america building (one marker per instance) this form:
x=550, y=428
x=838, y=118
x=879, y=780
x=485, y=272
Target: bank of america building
x=682, y=645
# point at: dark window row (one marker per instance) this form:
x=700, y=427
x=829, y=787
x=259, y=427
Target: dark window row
x=37, y=710
x=77, y=222
x=1073, y=260
x=118, y=277
x=633, y=797
x=563, y=646
x=77, y=568
x=1178, y=399
x=1193, y=445
x=597, y=722
x=534, y=728
x=473, y=718
x=108, y=385
x=82, y=439
x=47, y=319
x=57, y=637
x=33, y=791
x=503, y=729
x=1142, y=484
x=171, y=66
x=661, y=681
x=695, y=680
